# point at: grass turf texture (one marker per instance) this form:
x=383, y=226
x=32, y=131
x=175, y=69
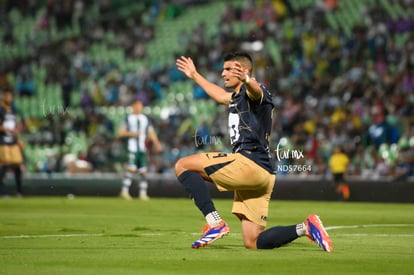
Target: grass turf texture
x=56, y=235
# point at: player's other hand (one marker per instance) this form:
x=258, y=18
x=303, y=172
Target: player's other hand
x=239, y=71
x=158, y=148
x=14, y=132
x=186, y=65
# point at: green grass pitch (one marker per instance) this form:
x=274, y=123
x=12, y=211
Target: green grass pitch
x=92, y=235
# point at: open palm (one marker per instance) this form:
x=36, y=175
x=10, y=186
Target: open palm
x=186, y=65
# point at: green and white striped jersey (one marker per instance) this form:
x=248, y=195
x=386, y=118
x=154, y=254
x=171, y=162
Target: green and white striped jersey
x=136, y=123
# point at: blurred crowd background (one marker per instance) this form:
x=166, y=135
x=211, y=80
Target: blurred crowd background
x=341, y=73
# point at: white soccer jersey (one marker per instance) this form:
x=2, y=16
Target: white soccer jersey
x=137, y=123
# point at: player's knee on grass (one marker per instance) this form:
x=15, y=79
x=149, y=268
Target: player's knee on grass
x=250, y=233
x=250, y=243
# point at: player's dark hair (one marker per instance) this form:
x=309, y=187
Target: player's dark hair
x=240, y=56
x=237, y=55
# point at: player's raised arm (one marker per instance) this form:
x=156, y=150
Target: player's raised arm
x=186, y=65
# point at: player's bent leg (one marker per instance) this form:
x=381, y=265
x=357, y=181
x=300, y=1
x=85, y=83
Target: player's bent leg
x=126, y=184
x=192, y=163
x=277, y=236
x=250, y=233
x=190, y=173
x=143, y=186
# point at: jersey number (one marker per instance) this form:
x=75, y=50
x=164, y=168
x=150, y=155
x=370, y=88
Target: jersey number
x=234, y=133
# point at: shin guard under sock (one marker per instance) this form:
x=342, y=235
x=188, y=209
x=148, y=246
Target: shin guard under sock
x=276, y=237
x=197, y=188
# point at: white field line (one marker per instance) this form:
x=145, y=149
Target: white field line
x=366, y=226
x=328, y=228
x=377, y=235
x=50, y=236
x=361, y=226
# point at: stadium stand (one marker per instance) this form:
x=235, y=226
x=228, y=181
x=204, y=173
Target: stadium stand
x=341, y=73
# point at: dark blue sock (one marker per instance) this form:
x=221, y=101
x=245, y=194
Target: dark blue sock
x=18, y=178
x=3, y=171
x=276, y=237
x=197, y=188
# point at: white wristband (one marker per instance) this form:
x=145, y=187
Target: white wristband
x=247, y=79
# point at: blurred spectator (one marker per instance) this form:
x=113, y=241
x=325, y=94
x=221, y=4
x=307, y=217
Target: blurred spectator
x=405, y=164
x=382, y=168
x=24, y=82
x=74, y=165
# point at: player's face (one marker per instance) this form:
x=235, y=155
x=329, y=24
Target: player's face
x=137, y=107
x=8, y=98
x=230, y=80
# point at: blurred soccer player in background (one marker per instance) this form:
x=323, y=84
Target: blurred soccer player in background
x=136, y=129
x=338, y=164
x=10, y=144
x=248, y=170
